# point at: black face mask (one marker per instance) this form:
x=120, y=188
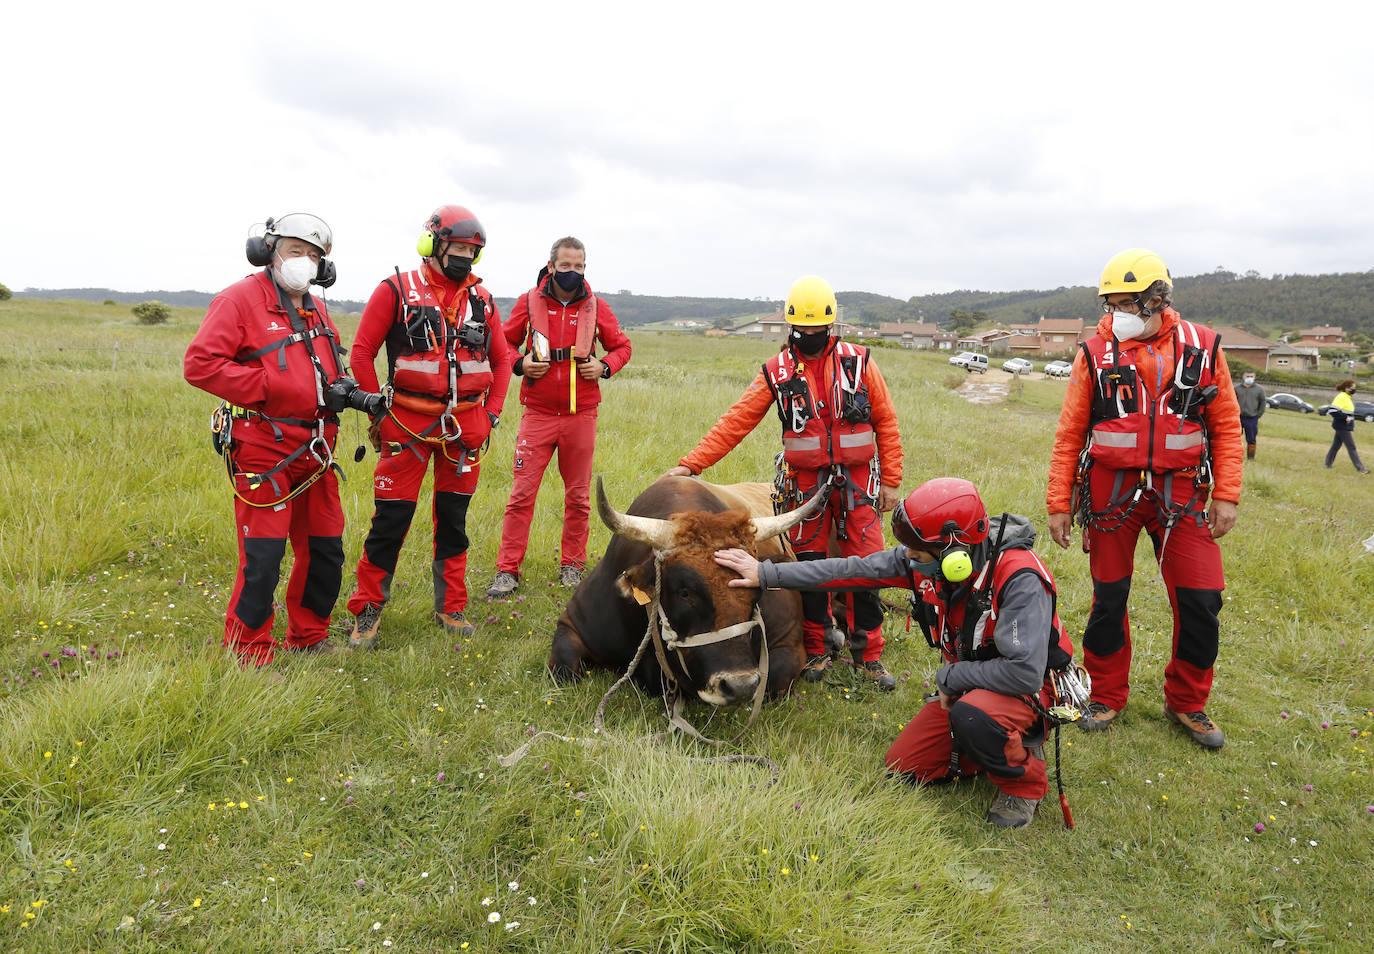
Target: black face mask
x=456, y=269
x=809, y=343
x=568, y=281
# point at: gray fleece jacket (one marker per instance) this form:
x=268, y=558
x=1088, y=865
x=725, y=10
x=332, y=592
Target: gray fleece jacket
x=1024, y=608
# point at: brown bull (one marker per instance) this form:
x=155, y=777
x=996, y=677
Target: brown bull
x=685, y=520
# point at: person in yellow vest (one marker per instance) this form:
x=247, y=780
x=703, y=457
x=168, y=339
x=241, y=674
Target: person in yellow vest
x=558, y=323
x=1343, y=423
x=838, y=424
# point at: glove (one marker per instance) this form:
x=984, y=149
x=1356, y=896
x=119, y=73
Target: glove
x=374, y=405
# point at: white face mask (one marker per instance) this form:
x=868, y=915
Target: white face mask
x=1248, y=381
x=1126, y=326
x=296, y=273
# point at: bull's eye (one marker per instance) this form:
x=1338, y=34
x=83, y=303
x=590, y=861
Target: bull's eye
x=685, y=595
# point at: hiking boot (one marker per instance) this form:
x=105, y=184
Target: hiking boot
x=322, y=648
x=1202, y=729
x=365, y=626
x=1012, y=811
x=455, y=624
x=875, y=670
x=1097, y=717
x=569, y=575
x=504, y=585
x=816, y=665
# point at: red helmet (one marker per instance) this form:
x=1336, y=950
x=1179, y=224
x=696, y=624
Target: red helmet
x=940, y=512
x=451, y=223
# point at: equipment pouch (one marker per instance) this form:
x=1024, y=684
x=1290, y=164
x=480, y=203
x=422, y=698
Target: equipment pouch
x=794, y=404
x=1116, y=395
x=423, y=327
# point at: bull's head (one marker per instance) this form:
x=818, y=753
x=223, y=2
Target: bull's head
x=695, y=595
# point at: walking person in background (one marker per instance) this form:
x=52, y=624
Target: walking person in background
x=559, y=322
x=448, y=368
x=272, y=353
x=1343, y=423
x=1250, y=397
x=1150, y=429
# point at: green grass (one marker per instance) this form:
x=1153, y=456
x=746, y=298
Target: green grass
x=155, y=797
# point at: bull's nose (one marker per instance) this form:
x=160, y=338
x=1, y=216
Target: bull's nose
x=739, y=686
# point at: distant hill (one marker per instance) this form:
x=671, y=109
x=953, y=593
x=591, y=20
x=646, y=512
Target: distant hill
x=1263, y=306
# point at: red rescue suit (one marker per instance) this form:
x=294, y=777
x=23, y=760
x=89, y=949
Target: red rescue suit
x=560, y=410
x=820, y=401
x=271, y=362
x=448, y=368
x=994, y=730
x=1156, y=426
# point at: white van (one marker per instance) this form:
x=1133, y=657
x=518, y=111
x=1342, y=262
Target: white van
x=971, y=361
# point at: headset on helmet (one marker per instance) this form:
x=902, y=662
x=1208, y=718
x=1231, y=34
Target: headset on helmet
x=810, y=303
x=300, y=225
x=945, y=516
x=451, y=223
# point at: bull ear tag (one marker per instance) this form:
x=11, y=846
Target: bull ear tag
x=642, y=598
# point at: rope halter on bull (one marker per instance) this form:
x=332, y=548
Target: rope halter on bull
x=659, y=535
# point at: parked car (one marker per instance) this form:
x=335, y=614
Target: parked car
x=1058, y=369
x=1364, y=410
x=971, y=361
x=1288, y=402
x=1017, y=366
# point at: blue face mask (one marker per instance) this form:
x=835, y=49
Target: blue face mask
x=931, y=569
x=568, y=281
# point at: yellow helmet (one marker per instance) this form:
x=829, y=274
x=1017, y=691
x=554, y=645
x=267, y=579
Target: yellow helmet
x=1133, y=270
x=811, y=303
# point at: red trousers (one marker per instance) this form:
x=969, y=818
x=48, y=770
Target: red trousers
x=395, y=489
x=573, y=436
x=993, y=732
x=862, y=535
x=314, y=523
x=1190, y=562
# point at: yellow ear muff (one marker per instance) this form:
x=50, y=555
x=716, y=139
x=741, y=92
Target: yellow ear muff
x=425, y=244
x=956, y=566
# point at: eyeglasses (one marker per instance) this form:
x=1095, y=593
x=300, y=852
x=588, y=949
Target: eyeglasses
x=1132, y=306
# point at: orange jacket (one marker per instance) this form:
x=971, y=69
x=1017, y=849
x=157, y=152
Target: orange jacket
x=1154, y=361
x=757, y=400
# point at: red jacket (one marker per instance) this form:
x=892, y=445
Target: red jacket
x=753, y=406
x=551, y=394
x=229, y=358
x=382, y=324
x=1154, y=363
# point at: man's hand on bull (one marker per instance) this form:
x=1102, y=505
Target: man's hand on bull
x=678, y=471
x=590, y=369
x=888, y=498
x=742, y=563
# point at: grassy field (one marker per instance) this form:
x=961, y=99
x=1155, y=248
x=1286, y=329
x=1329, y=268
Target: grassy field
x=154, y=797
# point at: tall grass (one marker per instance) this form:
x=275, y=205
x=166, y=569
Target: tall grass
x=155, y=797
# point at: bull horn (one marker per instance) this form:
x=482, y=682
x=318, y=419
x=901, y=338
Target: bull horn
x=657, y=533
x=765, y=527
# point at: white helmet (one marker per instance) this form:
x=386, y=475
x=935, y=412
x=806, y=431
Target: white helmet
x=301, y=225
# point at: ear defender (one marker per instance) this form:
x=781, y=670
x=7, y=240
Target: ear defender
x=256, y=248
x=427, y=244
x=326, y=274
x=956, y=565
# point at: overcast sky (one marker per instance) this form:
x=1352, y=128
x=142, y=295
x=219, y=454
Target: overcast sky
x=697, y=148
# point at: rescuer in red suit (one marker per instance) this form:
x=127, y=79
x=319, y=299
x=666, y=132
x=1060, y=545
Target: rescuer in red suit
x=448, y=368
x=558, y=323
x=269, y=349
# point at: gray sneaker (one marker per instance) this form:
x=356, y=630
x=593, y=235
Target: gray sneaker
x=365, y=626
x=569, y=575
x=504, y=585
x=1012, y=811
x=1202, y=729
